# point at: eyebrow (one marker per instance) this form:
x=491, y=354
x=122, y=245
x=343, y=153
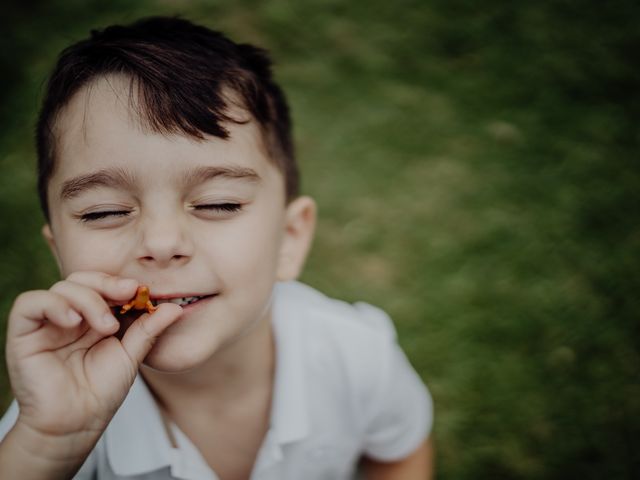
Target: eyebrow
x=120, y=178
x=113, y=178
x=202, y=174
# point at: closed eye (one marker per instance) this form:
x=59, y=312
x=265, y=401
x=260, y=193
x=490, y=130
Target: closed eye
x=219, y=207
x=93, y=216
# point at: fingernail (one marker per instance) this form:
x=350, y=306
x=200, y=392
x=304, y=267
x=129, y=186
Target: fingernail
x=109, y=320
x=74, y=317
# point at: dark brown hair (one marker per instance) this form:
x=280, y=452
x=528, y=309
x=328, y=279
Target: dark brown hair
x=181, y=76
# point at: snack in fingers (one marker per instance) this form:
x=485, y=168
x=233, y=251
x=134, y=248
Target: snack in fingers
x=141, y=301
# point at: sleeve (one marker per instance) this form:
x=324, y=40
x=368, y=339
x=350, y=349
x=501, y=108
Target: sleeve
x=400, y=415
x=8, y=419
x=86, y=472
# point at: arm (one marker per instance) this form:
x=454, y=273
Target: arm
x=417, y=466
x=68, y=371
x=25, y=453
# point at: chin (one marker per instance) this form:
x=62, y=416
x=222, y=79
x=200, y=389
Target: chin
x=169, y=355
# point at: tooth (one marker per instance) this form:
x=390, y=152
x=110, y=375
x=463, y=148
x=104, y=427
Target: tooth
x=178, y=300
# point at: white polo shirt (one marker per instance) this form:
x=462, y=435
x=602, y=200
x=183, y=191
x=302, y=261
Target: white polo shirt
x=343, y=388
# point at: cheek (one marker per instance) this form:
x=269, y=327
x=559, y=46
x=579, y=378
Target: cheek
x=250, y=252
x=93, y=253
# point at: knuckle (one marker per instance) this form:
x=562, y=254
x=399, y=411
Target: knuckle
x=144, y=330
x=58, y=286
x=24, y=299
x=75, y=276
x=141, y=341
x=109, y=282
x=149, y=342
x=92, y=295
x=82, y=296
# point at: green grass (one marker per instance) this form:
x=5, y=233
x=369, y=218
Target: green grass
x=477, y=176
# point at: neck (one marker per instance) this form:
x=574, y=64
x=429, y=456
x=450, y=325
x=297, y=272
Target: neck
x=237, y=370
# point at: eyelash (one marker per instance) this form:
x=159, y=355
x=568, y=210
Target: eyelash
x=220, y=207
x=93, y=216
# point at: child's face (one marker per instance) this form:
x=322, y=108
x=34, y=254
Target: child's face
x=187, y=218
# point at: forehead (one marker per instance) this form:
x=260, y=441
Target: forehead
x=102, y=125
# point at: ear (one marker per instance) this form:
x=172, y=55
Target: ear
x=300, y=223
x=47, y=233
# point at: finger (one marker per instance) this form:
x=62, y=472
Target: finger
x=50, y=338
x=34, y=308
x=110, y=287
x=91, y=306
x=142, y=333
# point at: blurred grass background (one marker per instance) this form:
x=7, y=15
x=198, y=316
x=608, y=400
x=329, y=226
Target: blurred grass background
x=476, y=167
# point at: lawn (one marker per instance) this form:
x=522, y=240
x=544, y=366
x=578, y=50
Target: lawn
x=477, y=175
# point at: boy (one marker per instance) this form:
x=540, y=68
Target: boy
x=165, y=160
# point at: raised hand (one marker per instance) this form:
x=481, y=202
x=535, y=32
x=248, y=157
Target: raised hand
x=68, y=370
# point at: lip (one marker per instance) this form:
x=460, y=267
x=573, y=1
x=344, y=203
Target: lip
x=126, y=319
x=182, y=295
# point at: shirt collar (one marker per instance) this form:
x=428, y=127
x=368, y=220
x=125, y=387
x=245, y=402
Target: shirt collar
x=138, y=422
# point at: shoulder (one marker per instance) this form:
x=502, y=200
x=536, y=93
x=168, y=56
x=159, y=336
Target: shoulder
x=353, y=368
x=349, y=346
x=300, y=299
x=358, y=327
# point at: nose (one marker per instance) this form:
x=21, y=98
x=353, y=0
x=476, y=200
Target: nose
x=165, y=242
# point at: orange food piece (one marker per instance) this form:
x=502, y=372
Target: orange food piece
x=141, y=301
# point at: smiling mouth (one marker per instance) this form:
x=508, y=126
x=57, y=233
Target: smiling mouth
x=182, y=301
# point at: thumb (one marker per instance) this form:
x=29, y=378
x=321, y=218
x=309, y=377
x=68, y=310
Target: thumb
x=142, y=334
